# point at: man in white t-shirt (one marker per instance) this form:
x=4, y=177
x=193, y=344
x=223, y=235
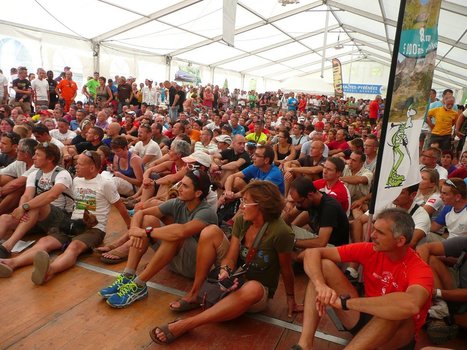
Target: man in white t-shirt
x=146, y=147
x=3, y=88
x=40, y=89
x=429, y=159
x=49, y=184
x=454, y=214
x=42, y=135
x=13, y=177
x=63, y=132
x=93, y=194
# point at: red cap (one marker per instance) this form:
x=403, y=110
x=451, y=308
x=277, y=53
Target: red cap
x=319, y=125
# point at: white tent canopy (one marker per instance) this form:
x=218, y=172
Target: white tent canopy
x=272, y=43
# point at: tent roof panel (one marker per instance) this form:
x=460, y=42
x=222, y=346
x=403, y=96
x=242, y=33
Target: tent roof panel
x=161, y=42
x=259, y=37
x=305, y=22
x=245, y=63
x=305, y=59
x=283, y=51
x=458, y=55
x=143, y=6
x=361, y=22
x=269, y=71
x=210, y=53
x=371, y=6
x=451, y=25
x=271, y=8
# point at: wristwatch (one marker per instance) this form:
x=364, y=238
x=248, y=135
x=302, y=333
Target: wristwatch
x=26, y=207
x=148, y=231
x=344, y=298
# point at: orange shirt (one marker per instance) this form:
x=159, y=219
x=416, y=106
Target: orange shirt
x=67, y=88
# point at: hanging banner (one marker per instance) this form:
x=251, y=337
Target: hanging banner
x=337, y=72
x=367, y=89
x=411, y=76
x=229, y=12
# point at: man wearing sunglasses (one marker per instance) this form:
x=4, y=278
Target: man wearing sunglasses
x=93, y=193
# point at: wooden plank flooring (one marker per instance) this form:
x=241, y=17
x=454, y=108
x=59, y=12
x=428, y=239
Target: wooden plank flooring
x=67, y=313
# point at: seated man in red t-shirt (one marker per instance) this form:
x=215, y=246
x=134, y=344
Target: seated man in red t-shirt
x=398, y=287
x=339, y=144
x=330, y=183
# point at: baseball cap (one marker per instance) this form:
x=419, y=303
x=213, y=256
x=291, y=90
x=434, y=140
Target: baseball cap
x=224, y=138
x=131, y=113
x=199, y=157
x=319, y=125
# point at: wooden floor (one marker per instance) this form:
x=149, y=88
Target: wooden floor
x=67, y=313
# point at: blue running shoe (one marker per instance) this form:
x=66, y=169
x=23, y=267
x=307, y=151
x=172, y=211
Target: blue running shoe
x=127, y=295
x=107, y=292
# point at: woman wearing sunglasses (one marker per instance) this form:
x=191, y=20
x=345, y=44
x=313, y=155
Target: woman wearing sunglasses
x=262, y=205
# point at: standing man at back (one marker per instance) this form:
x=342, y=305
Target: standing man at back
x=22, y=87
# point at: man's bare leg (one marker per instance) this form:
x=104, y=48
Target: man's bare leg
x=34, y=216
x=26, y=258
x=383, y=334
x=210, y=240
x=67, y=259
x=336, y=280
x=10, y=201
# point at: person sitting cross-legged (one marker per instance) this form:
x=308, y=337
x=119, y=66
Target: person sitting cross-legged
x=261, y=204
x=190, y=246
x=397, y=284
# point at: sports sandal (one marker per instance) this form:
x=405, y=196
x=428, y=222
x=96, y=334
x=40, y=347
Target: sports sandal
x=184, y=306
x=164, y=329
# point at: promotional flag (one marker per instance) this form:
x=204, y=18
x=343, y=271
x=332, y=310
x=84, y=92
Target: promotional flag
x=337, y=72
x=411, y=76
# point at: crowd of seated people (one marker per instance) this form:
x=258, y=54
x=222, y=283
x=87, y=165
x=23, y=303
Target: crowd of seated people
x=196, y=173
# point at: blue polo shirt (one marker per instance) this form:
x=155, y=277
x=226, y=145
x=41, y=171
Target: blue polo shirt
x=274, y=175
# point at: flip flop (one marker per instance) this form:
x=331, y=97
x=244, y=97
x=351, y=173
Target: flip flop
x=170, y=338
x=5, y=270
x=41, y=266
x=184, y=306
x=121, y=257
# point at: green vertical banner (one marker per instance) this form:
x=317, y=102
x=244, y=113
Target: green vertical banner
x=411, y=76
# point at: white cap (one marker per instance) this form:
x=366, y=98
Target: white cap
x=224, y=138
x=198, y=157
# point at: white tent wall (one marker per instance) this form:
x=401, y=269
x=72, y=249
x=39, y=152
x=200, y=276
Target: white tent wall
x=35, y=49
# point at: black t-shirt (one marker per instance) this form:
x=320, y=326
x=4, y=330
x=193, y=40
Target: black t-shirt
x=172, y=93
x=22, y=84
x=330, y=214
x=230, y=155
x=87, y=146
x=124, y=92
x=181, y=99
x=52, y=85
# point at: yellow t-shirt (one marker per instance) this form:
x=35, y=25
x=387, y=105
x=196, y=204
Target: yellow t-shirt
x=444, y=120
x=253, y=137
